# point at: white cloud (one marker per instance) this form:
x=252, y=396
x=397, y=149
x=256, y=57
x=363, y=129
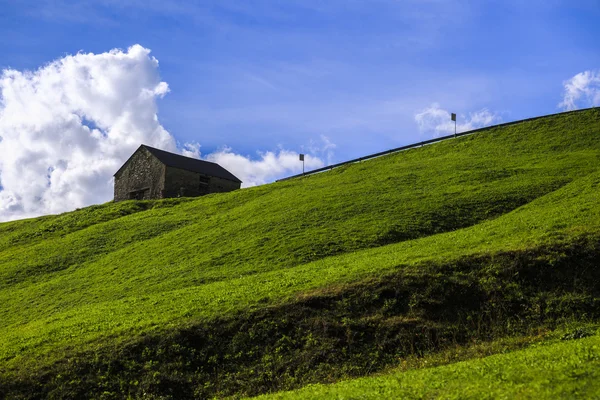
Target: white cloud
x=323, y=150
x=68, y=126
x=435, y=120
x=582, y=90
x=271, y=165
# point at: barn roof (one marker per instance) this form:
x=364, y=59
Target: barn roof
x=189, y=164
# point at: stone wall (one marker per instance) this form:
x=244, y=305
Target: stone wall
x=142, y=178
x=183, y=183
x=218, y=185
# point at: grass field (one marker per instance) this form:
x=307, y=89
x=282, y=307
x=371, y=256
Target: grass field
x=548, y=370
x=336, y=275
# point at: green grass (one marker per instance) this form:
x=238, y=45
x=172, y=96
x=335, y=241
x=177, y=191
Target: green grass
x=88, y=298
x=547, y=370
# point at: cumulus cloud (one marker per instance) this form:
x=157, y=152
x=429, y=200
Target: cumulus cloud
x=68, y=126
x=582, y=90
x=435, y=120
x=265, y=166
x=269, y=166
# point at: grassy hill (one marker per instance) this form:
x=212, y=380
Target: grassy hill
x=552, y=370
x=485, y=237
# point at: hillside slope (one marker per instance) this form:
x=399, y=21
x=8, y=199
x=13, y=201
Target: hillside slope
x=336, y=274
x=556, y=370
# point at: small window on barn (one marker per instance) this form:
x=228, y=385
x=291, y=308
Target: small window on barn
x=138, y=194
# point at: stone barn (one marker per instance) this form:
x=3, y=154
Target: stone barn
x=156, y=174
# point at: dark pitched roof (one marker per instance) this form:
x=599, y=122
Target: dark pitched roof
x=190, y=164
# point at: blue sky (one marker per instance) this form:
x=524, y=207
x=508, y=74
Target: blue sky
x=250, y=84
x=255, y=75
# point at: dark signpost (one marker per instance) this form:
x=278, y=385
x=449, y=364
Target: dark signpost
x=302, y=159
x=453, y=116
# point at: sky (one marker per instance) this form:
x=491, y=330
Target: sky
x=251, y=84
